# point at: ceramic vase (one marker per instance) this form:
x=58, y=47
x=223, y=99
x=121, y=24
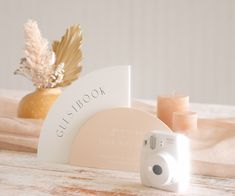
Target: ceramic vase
x=37, y=104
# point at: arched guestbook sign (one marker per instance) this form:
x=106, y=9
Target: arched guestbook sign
x=112, y=139
x=97, y=91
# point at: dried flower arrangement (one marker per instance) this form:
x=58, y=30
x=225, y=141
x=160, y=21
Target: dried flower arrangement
x=51, y=67
x=48, y=68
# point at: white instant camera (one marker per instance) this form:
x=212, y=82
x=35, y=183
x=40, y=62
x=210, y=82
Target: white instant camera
x=165, y=161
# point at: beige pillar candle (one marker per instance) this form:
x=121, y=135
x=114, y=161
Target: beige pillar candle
x=167, y=105
x=184, y=121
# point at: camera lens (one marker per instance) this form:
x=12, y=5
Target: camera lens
x=157, y=169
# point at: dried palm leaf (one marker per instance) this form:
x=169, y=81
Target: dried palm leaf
x=68, y=51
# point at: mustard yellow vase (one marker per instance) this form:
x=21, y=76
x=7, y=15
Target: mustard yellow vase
x=37, y=104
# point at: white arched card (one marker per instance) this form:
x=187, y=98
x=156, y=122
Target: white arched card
x=97, y=91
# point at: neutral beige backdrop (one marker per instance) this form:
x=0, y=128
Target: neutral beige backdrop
x=173, y=45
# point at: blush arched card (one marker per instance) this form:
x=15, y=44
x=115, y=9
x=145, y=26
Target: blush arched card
x=112, y=139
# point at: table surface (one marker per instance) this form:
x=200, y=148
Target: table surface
x=22, y=174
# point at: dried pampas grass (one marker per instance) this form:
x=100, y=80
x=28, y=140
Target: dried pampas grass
x=50, y=68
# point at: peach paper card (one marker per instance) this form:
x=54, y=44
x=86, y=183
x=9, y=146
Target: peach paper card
x=112, y=139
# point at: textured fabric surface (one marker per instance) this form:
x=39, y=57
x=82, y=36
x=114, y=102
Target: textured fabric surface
x=16, y=133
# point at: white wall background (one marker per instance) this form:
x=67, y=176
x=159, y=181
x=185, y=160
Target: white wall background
x=173, y=45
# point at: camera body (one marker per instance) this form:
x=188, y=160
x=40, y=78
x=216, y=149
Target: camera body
x=165, y=161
